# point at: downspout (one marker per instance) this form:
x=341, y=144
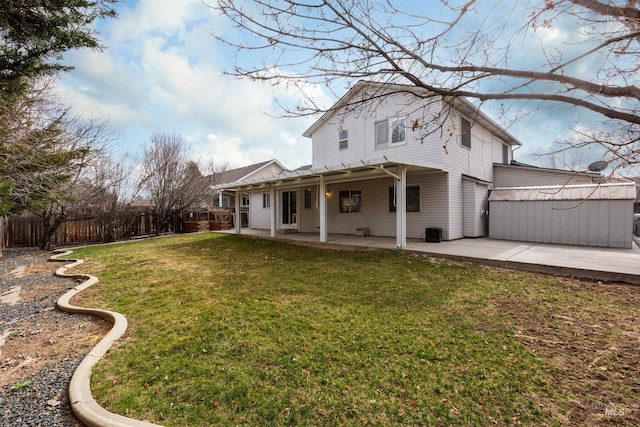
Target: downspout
x=401, y=208
x=389, y=173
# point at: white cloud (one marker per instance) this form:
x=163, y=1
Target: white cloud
x=161, y=72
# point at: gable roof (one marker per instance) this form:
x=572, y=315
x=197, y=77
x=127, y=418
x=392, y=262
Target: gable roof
x=243, y=173
x=460, y=103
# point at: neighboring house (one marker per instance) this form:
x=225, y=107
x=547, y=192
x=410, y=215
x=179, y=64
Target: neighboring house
x=227, y=198
x=394, y=160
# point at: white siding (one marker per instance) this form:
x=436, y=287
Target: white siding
x=477, y=161
x=309, y=218
x=475, y=205
x=456, y=220
x=258, y=216
x=375, y=206
x=360, y=123
x=266, y=172
x=516, y=176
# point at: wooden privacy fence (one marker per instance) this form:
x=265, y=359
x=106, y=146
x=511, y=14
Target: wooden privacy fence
x=3, y=234
x=29, y=230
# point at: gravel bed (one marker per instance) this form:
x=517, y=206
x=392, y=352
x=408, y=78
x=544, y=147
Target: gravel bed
x=37, y=330
x=44, y=402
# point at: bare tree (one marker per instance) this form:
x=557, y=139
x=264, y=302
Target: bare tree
x=500, y=51
x=44, y=150
x=105, y=192
x=172, y=181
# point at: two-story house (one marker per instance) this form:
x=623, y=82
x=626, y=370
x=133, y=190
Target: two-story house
x=394, y=160
x=390, y=160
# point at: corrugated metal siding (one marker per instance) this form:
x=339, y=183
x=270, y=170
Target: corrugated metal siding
x=591, y=222
x=614, y=191
x=513, y=176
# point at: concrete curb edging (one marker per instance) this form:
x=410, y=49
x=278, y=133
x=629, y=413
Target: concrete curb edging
x=82, y=403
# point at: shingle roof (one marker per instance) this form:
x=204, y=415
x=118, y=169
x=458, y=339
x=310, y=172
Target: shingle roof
x=234, y=175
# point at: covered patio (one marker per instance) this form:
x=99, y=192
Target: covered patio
x=322, y=179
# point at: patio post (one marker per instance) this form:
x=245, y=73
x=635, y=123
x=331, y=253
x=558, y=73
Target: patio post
x=238, y=214
x=322, y=188
x=272, y=210
x=401, y=208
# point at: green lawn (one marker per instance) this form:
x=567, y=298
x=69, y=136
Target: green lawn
x=228, y=330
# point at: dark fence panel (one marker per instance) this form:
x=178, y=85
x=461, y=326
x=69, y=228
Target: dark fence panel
x=4, y=235
x=29, y=230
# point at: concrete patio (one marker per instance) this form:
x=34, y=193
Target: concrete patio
x=603, y=264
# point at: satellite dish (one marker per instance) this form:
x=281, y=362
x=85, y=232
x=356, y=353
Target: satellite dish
x=598, y=166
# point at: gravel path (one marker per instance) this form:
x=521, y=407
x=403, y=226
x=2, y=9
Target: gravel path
x=40, y=346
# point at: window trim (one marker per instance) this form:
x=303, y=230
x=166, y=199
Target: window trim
x=307, y=198
x=385, y=144
x=390, y=123
x=225, y=202
x=343, y=140
x=391, y=128
x=349, y=194
x=392, y=207
x=465, y=133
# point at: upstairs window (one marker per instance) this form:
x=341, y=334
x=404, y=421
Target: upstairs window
x=381, y=132
x=465, y=126
x=343, y=139
x=398, y=131
x=390, y=132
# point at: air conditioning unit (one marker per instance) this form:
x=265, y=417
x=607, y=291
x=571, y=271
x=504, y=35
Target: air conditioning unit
x=433, y=235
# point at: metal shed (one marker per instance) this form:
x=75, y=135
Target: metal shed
x=589, y=215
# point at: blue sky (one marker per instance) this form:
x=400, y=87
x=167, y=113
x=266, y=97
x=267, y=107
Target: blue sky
x=161, y=71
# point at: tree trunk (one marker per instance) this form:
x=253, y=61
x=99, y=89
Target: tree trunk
x=50, y=226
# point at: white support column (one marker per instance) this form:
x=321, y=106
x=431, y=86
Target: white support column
x=322, y=188
x=272, y=211
x=401, y=208
x=238, y=214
